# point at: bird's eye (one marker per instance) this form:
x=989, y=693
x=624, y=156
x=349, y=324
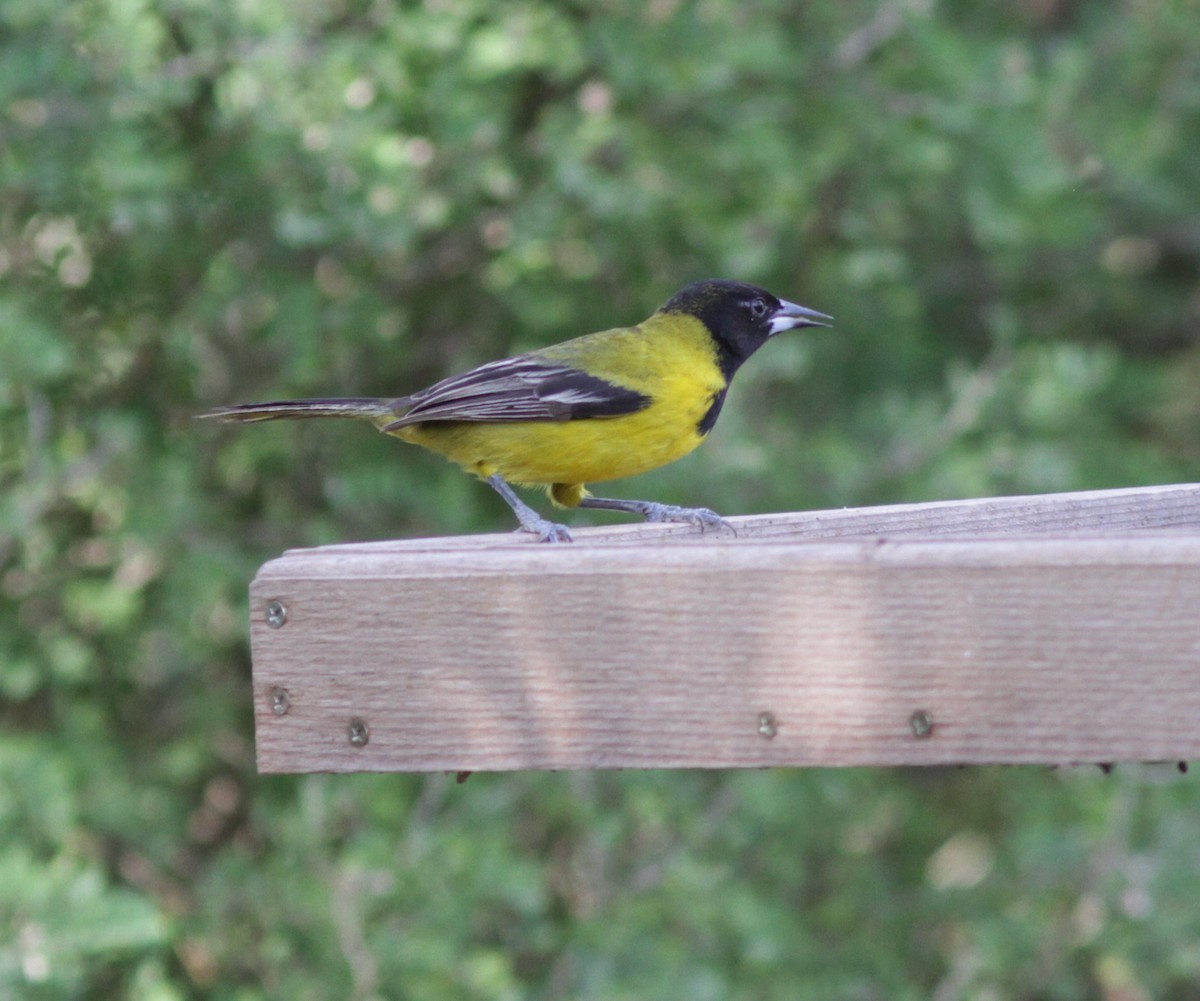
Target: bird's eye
x=758, y=308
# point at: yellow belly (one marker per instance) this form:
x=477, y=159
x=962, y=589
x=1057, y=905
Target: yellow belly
x=538, y=453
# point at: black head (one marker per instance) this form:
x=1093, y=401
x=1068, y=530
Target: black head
x=740, y=317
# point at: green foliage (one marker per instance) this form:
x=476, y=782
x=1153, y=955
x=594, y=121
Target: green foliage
x=207, y=203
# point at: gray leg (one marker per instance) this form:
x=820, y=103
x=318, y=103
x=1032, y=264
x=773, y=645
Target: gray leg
x=653, y=511
x=531, y=521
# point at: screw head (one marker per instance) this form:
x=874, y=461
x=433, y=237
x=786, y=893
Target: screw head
x=276, y=614
x=358, y=732
x=281, y=701
x=921, y=723
x=768, y=726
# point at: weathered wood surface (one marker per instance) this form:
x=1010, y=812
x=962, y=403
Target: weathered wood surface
x=1176, y=506
x=1040, y=629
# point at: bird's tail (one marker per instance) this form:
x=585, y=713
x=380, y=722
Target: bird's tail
x=363, y=407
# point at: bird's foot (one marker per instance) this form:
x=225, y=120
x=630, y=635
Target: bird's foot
x=700, y=516
x=531, y=521
x=654, y=511
x=545, y=530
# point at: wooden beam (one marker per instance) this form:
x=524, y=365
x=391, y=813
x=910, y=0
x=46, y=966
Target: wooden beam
x=1038, y=629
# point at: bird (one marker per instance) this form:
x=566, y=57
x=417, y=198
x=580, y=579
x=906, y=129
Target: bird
x=598, y=407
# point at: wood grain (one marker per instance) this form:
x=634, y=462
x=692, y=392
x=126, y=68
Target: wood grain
x=1175, y=506
x=1069, y=635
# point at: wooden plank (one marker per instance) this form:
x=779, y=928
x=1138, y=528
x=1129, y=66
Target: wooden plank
x=716, y=654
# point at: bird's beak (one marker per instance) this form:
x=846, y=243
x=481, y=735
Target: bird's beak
x=789, y=316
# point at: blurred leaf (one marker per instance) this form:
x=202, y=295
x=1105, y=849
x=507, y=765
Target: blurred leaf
x=206, y=203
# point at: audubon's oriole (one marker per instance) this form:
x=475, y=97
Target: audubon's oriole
x=598, y=407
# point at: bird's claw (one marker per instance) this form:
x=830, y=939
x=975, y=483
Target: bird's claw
x=546, y=530
x=700, y=516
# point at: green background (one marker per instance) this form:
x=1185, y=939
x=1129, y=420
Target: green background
x=211, y=201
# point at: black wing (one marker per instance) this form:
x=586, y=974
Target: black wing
x=525, y=388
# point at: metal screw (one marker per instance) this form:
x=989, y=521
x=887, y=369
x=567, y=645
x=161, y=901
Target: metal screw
x=921, y=722
x=767, y=726
x=281, y=701
x=359, y=734
x=276, y=614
